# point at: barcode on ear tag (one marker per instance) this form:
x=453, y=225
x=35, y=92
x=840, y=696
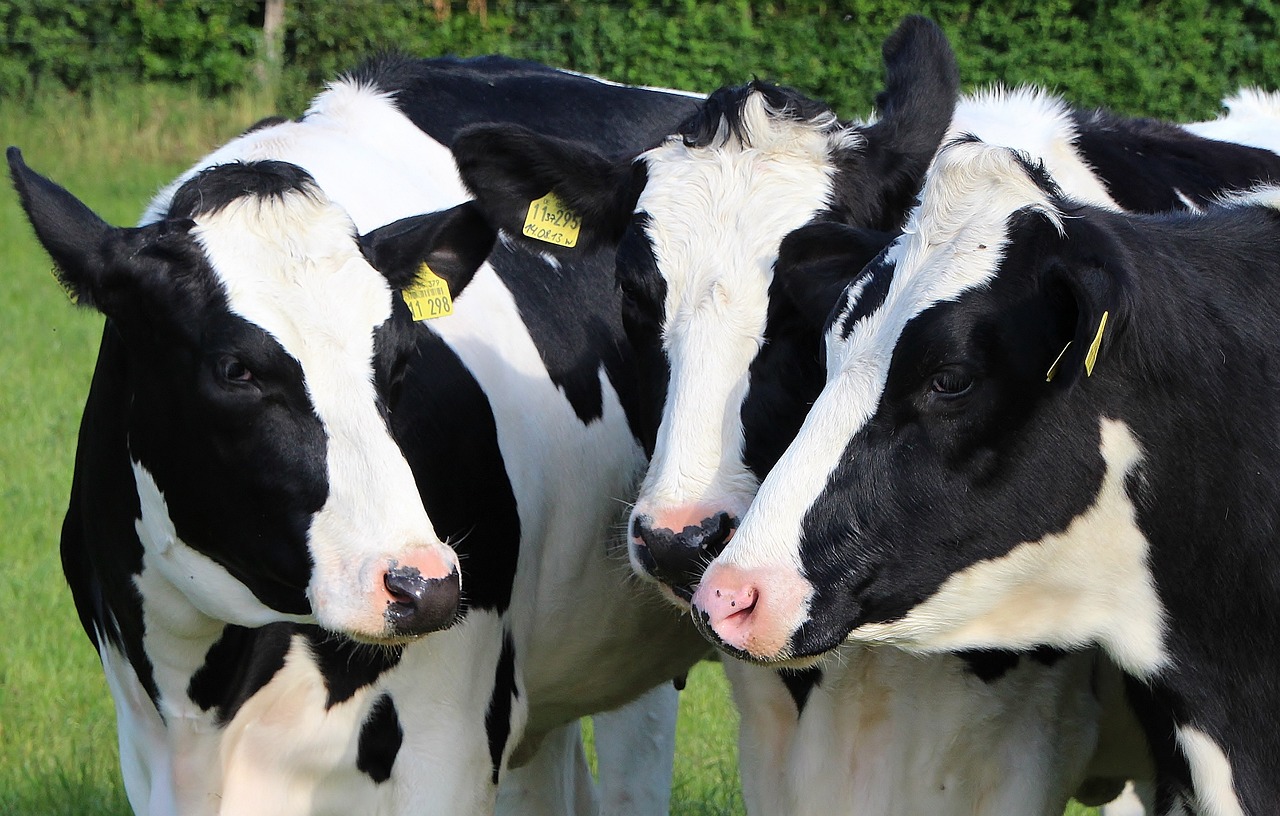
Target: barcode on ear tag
x=428, y=296
x=550, y=220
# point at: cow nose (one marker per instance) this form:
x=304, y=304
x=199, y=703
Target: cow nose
x=677, y=559
x=419, y=605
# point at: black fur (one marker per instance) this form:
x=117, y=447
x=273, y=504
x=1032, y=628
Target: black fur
x=931, y=485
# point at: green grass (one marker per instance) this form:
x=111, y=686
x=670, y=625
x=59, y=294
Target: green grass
x=57, y=726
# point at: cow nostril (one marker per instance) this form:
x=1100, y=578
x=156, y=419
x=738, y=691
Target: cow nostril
x=678, y=558
x=420, y=605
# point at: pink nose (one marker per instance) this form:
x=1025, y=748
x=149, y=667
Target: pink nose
x=734, y=607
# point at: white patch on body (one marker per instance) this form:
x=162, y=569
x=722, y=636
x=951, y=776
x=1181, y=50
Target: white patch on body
x=717, y=217
x=864, y=744
x=572, y=571
x=1038, y=123
x=1089, y=584
x=1210, y=773
x=1252, y=118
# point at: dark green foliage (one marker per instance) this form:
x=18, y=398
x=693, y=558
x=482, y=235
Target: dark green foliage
x=1171, y=58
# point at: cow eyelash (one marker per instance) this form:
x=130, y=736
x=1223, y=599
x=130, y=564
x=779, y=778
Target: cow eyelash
x=232, y=369
x=952, y=382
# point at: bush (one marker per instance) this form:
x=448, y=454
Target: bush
x=1170, y=58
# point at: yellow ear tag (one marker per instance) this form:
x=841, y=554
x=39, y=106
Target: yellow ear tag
x=66, y=290
x=1053, y=369
x=550, y=220
x=428, y=296
x=1092, y=356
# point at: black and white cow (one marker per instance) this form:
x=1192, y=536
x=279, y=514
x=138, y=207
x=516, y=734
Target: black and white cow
x=267, y=421
x=700, y=221
x=1046, y=423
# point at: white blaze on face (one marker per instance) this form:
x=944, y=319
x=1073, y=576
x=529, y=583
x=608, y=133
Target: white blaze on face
x=717, y=216
x=953, y=242
x=293, y=268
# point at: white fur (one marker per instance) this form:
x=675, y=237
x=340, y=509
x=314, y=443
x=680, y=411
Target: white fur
x=1039, y=123
x=292, y=267
x=575, y=615
x=1253, y=118
x=1091, y=583
x=868, y=742
x=1210, y=774
x=941, y=254
x=718, y=215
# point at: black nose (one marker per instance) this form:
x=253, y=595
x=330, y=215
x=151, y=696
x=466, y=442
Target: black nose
x=677, y=559
x=421, y=605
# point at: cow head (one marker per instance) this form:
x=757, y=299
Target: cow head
x=699, y=221
x=256, y=344
x=956, y=455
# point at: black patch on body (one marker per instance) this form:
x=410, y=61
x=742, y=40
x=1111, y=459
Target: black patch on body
x=100, y=549
x=497, y=717
x=380, y=739
x=727, y=105
x=1145, y=163
x=446, y=94
x=1187, y=364
x=989, y=665
x=572, y=312
x=345, y=665
x=237, y=666
x=446, y=428
x=643, y=291
x=800, y=684
x=875, y=280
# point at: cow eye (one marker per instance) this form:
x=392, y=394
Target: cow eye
x=951, y=382
x=232, y=369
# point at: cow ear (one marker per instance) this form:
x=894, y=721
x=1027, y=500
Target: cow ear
x=915, y=108
x=453, y=243
x=509, y=169
x=1087, y=284
x=818, y=261
x=118, y=271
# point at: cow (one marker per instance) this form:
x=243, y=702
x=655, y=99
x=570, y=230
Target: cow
x=1045, y=423
x=335, y=556
x=700, y=222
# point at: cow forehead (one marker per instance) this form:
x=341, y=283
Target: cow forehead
x=716, y=215
x=291, y=265
x=953, y=242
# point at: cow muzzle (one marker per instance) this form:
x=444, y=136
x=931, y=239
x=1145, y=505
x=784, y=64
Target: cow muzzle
x=419, y=605
x=677, y=557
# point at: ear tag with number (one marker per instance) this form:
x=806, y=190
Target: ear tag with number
x=66, y=290
x=550, y=220
x=1092, y=356
x=428, y=296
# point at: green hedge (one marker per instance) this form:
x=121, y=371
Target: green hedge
x=1175, y=58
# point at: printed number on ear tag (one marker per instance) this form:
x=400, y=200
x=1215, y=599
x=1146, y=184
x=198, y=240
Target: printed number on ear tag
x=550, y=220
x=428, y=296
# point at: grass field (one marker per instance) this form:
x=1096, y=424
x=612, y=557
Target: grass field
x=57, y=727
